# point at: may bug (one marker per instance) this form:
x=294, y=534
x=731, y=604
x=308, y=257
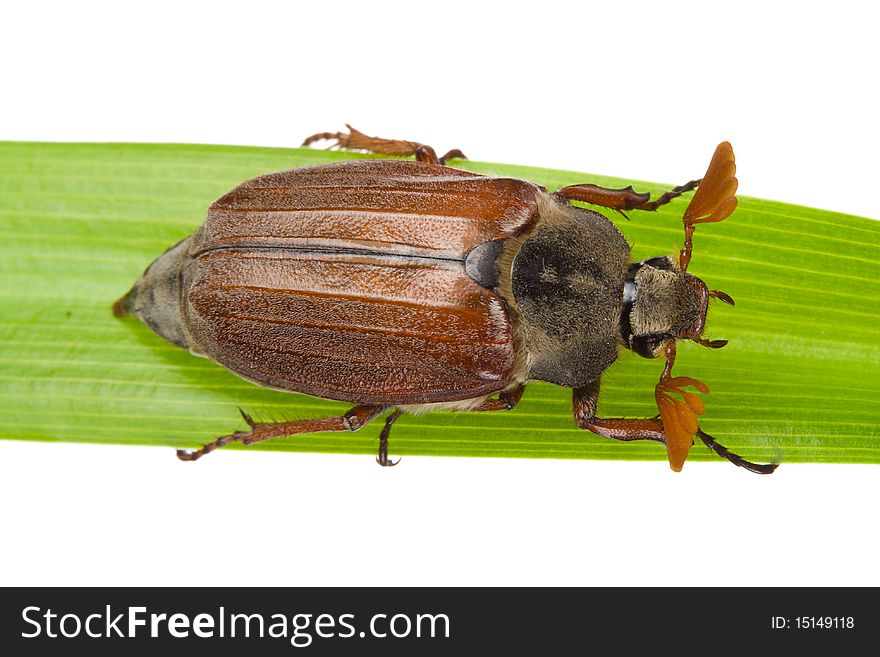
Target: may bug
x=405, y=286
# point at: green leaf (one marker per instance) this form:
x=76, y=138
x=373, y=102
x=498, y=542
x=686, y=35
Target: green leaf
x=799, y=380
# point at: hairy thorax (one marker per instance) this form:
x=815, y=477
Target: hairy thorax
x=564, y=280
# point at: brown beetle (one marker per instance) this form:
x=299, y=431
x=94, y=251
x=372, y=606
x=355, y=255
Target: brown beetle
x=404, y=286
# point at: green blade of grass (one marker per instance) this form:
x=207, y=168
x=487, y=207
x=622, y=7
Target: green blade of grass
x=79, y=222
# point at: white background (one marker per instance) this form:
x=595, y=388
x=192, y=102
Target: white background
x=630, y=89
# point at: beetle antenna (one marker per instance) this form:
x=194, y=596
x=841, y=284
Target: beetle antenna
x=723, y=452
x=710, y=344
x=722, y=296
x=714, y=201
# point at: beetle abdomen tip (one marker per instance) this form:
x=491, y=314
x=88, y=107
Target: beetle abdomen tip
x=121, y=306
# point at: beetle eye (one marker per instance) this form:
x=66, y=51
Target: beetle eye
x=659, y=262
x=646, y=345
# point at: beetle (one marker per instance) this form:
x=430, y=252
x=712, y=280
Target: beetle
x=404, y=286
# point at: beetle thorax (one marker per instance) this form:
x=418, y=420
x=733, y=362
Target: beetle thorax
x=565, y=280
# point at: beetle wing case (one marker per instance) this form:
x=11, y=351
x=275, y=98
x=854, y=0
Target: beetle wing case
x=348, y=281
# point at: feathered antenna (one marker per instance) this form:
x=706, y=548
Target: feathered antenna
x=714, y=201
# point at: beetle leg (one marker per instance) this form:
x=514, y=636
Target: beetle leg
x=260, y=431
x=723, y=452
x=624, y=199
x=382, y=459
x=507, y=399
x=585, y=400
x=454, y=154
x=357, y=140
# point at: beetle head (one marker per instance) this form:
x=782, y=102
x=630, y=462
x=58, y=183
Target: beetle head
x=661, y=303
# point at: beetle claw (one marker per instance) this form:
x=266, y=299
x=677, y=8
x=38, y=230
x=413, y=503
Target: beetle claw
x=248, y=419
